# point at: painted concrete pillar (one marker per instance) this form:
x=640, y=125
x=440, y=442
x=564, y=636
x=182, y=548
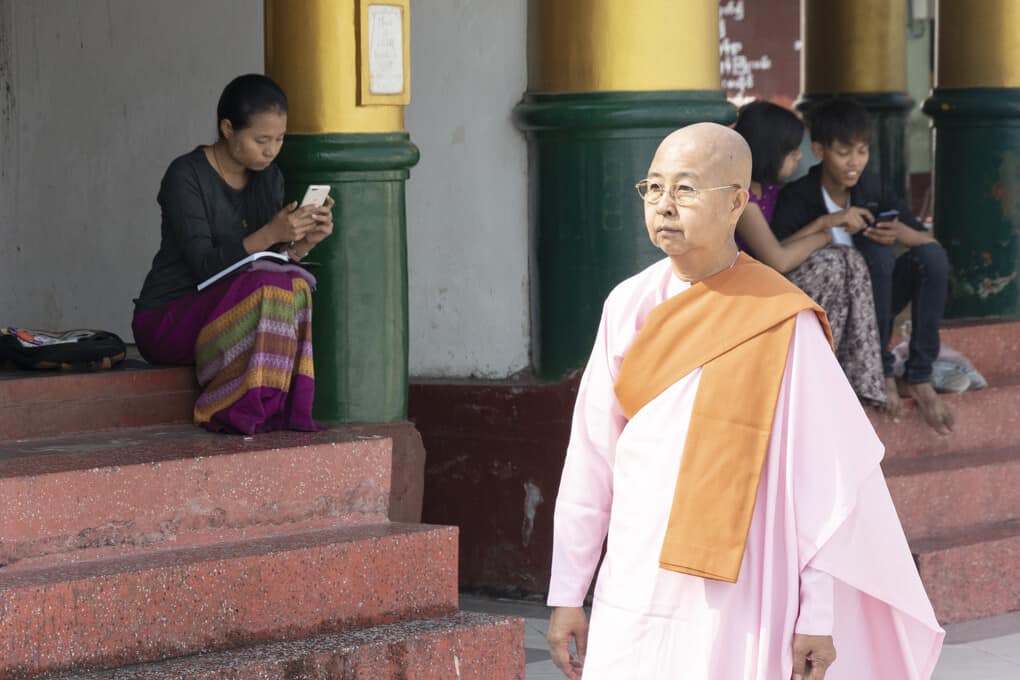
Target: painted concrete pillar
x=607, y=80
x=345, y=67
x=975, y=107
x=859, y=49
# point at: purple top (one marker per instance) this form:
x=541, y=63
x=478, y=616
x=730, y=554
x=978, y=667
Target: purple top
x=767, y=203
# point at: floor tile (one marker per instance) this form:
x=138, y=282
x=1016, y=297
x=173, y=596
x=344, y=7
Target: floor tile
x=983, y=629
x=964, y=662
x=1007, y=647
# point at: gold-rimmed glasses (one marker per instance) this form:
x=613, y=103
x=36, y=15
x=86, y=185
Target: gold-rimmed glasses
x=652, y=191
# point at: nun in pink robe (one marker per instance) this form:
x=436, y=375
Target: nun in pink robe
x=825, y=554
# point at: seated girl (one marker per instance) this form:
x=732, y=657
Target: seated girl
x=835, y=276
x=249, y=334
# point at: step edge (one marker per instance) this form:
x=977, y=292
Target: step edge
x=144, y=560
x=951, y=461
x=965, y=536
x=172, y=380
x=26, y=554
x=340, y=642
x=177, y=449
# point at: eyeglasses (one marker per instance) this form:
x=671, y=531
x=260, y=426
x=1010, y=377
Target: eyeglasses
x=651, y=191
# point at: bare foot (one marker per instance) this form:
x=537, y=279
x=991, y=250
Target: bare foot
x=893, y=405
x=934, y=411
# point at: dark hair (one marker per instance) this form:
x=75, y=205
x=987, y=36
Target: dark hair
x=245, y=96
x=772, y=132
x=242, y=98
x=839, y=119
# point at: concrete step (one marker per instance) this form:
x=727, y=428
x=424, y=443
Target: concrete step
x=459, y=647
x=985, y=419
x=935, y=494
x=972, y=572
x=151, y=605
x=993, y=346
x=151, y=486
x=41, y=403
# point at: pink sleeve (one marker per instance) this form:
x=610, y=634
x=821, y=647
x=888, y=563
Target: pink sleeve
x=825, y=486
x=816, y=608
x=581, y=518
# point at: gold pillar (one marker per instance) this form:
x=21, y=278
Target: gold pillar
x=313, y=52
x=617, y=46
x=977, y=44
x=853, y=46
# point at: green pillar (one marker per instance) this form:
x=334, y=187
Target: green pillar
x=977, y=196
x=344, y=133
x=586, y=152
x=975, y=109
x=605, y=86
x=360, y=306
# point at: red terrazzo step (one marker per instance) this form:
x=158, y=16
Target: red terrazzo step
x=985, y=419
x=935, y=494
x=460, y=647
x=971, y=573
x=39, y=403
x=150, y=486
x=155, y=605
x=992, y=346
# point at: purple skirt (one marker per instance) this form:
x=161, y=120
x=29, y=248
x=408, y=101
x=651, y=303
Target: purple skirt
x=250, y=339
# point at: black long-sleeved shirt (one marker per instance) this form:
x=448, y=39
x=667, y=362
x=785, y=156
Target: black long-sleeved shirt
x=203, y=227
x=801, y=202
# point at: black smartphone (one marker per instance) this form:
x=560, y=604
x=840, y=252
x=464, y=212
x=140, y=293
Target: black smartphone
x=887, y=216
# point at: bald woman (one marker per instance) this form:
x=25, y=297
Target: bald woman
x=720, y=454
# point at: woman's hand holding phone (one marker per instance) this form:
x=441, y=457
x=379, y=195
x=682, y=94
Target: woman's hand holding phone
x=292, y=223
x=320, y=203
x=301, y=227
x=323, y=223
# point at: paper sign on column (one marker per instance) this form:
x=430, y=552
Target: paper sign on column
x=385, y=49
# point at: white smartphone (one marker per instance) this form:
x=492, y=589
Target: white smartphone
x=315, y=195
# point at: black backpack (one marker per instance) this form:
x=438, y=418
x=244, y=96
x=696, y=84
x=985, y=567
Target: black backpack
x=77, y=350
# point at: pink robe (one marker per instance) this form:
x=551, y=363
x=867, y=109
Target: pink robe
x=825, y=553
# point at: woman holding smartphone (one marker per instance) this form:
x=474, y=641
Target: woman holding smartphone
x=249, y=335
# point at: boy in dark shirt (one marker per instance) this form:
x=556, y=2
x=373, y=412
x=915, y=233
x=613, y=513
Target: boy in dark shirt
x=852, y=197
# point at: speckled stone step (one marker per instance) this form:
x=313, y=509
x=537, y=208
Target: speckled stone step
x=985, y=419
x=166, y=603
x=150, y=486
x=42, y=403
x=459, y=647
x=992, y=345
x=973, y=572
x=935, y=494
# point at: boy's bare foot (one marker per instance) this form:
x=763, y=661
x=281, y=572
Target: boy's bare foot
x=934, y=411
x=893, y=405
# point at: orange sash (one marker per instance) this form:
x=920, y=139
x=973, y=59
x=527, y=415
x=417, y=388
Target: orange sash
x=736, y=325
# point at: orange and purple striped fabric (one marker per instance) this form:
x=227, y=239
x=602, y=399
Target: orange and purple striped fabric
x=254, y=356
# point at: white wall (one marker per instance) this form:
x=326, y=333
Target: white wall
x=104, y=94
x=919, y=82
x=467, y=213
